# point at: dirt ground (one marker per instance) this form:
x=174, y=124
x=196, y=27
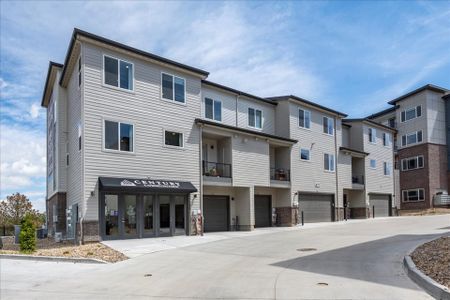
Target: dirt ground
x=424, y=212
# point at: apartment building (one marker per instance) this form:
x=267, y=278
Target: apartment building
x=421, y=118
x=141, y=146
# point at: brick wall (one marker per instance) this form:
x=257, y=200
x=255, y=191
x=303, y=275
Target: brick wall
x=286, y=216
x=58, y=200
x=359, y=212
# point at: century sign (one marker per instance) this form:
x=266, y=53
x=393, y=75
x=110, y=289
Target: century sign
x=150, y=183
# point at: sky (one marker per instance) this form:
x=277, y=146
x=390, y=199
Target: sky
x=351, y=56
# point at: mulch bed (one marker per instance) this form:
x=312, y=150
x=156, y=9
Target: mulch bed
x=433, y=259
x=48, y=247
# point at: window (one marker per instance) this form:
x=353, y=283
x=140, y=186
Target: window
x=328, y=160
x=119, y=136
x=391, y=123
x=387, y=168
x=254, y=118
x=304, y=118
x=413, y=195
x=118, y=73
x=67, y=159
x=173, y=88
x=373, y=135
x=304, y=154
x=79, y=137
x=412, y=163
x=328, y=127
x=213, y=109
x=411, y=113
x=172, y=138
x=412, y=138
x=373, y=163
x=386, y=139
x=79, y=71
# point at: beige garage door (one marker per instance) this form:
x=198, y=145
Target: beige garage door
x=316, y=207
x=381, y=204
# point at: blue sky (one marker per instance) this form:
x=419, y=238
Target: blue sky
x=351, y=56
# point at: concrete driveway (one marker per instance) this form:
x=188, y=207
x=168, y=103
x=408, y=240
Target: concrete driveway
x=359, y=260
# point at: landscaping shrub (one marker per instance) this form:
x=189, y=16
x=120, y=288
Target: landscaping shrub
x=27, y=237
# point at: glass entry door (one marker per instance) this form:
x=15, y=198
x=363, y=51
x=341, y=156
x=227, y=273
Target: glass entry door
x=129, y=216
x=172, y=214
x=165, y=217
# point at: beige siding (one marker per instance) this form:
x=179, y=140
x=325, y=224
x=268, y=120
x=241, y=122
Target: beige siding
x=268, y=111
x=62, y=137
x=414, y=124
x=228, y=104
x=282, y=127
x=150, y=115
x=435, y=115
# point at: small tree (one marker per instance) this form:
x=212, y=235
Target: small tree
x=14, y=209
x=27, y=237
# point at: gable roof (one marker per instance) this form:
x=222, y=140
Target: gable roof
x=430, y=87
x=307, y=102
x=51, y=76
x=383, y=112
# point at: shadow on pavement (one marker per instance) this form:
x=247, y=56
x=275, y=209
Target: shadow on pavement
x=378, y=261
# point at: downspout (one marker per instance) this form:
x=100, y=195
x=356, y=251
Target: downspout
x=201, y=175
x=336, y=174
x=84, y=204
x=237, y=112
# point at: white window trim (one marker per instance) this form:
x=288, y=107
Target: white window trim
x=309, y=155
x=80, y=137
x=370, y=164
x=118, y=151
x=298, y=118
x=415, y=112
x=262, y=118
x=118, y=88
x=385, y=135
x=387, y=165
x=418, y=194
x=332, y=122
x=172, y=146
x=412, y=133
x=334, y=160
x=417, y=162
x=374, y=135
x=214, y=111
x=173, y=89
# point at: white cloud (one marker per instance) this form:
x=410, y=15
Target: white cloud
x=34, y=110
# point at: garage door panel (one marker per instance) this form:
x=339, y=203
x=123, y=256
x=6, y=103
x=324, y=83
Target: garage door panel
x=215, y=211
x=263, y=210
x=381, y=203
x=316, y=208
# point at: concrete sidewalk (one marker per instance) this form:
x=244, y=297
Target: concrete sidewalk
x=137, y=247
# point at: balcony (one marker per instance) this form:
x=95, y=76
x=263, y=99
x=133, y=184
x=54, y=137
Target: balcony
x=280, y=174
x=216, y=173
x=358, y=182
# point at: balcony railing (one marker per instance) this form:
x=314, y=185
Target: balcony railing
x=214, y=169
x=358, y=179
x=280, y=174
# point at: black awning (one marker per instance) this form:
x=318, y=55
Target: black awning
x=145, y=185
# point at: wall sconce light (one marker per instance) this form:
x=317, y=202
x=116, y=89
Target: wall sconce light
x=92, y=193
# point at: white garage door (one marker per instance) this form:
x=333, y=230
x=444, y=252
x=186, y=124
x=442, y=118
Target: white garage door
x=316, y=207
x=381, y=204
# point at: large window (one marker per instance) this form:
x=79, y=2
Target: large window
x=412, y=163
x=412, y=138
x=387, y=168
x=373, y=135
x=328, y=126
x=413, y=195
x=213, y=109
x=172, y=138
x=373, y=163
x=411, y=113
x=328, y=161
x=173, y=88
x=118, y=73
x=254, y=118
x=304, y=118
x=305, y=154
x=386, y=139
x=119, y=136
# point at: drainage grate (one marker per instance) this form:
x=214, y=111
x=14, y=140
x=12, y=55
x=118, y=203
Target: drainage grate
x=322, y=283
x=306, y=249
x=147, y=275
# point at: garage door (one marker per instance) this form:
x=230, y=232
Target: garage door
x=316, y=208
x=215, y=212
x=263, y=211
x=381, y=203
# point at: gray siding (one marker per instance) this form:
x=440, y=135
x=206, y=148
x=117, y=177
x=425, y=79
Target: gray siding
x=228, y=104
x=268, y=111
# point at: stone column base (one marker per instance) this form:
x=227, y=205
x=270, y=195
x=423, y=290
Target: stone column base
x=286, y=216
x=91, y=232
x=359, y=212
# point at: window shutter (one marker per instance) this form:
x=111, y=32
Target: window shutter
x=418, y=111
x=403, y=116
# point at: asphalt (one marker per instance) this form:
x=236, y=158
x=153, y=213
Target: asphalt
x=357, y=260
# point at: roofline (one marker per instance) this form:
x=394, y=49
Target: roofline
x=293, y=97
x=383, y=112
x=354, y=150
x=446, y=96
x=78, y=32
x=51, y=65
x=247, y=131
x=430, y=87
x=370, y=122
x=237, y=92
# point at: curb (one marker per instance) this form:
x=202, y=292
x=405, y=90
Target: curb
x=53, y=258
x=438, y=291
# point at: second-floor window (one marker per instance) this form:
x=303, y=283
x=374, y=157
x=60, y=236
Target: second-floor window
x=386, y=139
x=173, y=139
x=387, y=168
x=373, y=164
x=373, y=135
x=173, y=88
x=304, y=118
x=305, y=154
x=118, y=73
x=412, y=138
x=118, y=136
x=254, y=118
x=411, y=113
x=412, y=163
x=328, y=126
x=213, y=109
x=328, y=161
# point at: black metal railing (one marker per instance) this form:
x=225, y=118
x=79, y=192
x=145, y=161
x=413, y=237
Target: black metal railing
x=280, y=174
x=214, y=169
x=359, y=179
